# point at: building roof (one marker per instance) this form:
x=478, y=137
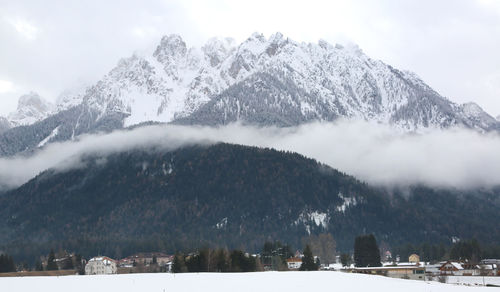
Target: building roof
x=104, y=259
x=455, y=265
x=145, y=255
x=389, y=268
x=294, y=260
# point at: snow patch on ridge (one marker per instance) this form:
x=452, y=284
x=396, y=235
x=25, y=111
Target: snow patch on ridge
x=307, y=218
x=348, y=202
x=49, y=137
x=222, y=223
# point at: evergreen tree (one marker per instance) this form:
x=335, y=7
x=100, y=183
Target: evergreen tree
x=179, y=265
x=38, y=266
x=466, y=250
x=366, y=251
x=51, y=262
x=221, y=258
x=7, y=264
x=241, y=263
x=308, y=263
x=79, y=265
x=345, y=259
x=68, y=263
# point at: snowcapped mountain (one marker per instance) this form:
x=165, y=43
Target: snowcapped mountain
x=262, y=81
x=476, y=114
x=31, y=108
x=272, y=81
x=173, y=81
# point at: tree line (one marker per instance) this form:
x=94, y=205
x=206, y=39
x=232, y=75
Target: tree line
x=7, y=264
x=367, y=252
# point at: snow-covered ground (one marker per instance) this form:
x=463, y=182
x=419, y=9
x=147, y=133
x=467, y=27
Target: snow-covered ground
x=220, y=282
x=469, y=280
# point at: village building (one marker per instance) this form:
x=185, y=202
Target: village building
x=413, y=272
x=450, y=268
x=294, y=263
x=100, y=266
x=433, y=269
x=146, y=259
x=414, y=258
x=489, y=267
x=387, y=256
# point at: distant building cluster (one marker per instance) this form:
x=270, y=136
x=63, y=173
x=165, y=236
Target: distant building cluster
x=416, y=270
x=140, y=262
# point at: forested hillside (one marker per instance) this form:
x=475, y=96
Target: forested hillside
x=224, y=195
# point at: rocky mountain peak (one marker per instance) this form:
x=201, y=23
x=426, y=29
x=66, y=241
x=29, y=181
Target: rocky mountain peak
x=217, y=49
x=171, y=46
x=475, y=113
x=31, y=108
x=34, y=100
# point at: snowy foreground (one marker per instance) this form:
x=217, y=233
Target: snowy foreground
x=265, y=281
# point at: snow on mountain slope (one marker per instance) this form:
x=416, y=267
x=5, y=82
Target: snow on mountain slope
x=475, y=113
x=264, y=81
x=71, y=97
x=274, y=81
x=174, y=81
x=281, y=82
x=31, y=108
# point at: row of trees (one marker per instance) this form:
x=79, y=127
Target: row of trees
x=367, y=253
x=66, y=262
x=470, y=250
x=7, y=264
x=273, y=256
x=220, y=260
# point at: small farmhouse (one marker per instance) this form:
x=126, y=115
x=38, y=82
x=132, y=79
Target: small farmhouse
x=414, y=258
x=294, y=263
x=490, y=267
x=100, y=266
x=460, y=269
x=451, y=268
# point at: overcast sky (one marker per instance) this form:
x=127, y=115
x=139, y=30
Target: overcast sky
x=49, y=46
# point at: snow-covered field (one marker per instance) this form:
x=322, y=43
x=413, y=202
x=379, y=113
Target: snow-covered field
x=474, y=280
x=207, y=282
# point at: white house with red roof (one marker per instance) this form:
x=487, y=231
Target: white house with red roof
x=100, y=266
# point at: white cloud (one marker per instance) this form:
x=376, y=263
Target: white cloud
x=25, y=29
x=375, y=153
x=6, y=86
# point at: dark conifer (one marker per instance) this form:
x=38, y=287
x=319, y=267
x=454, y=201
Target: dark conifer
x=366, y=251
x=179, y=266
x=308, y=263
x=51, y=262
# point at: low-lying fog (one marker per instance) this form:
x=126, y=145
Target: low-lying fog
x=374, y=153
